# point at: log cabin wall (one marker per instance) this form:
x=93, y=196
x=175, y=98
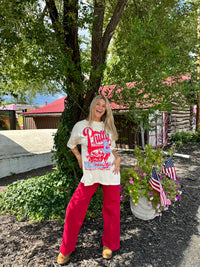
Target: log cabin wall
x=180, y=119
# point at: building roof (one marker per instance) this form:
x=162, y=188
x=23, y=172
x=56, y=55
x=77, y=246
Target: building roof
x=58, y=105
x=17, y=107
x=54, y=107
x=109, y=90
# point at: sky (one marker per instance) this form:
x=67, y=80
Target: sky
x=40, y=99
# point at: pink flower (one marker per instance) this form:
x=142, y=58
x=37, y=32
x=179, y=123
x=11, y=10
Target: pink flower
x=131, y=180
x=135, y=168
x=150, y=205
x=141, y=179
x=151, y=193
x=165, y=192
x=171, y=187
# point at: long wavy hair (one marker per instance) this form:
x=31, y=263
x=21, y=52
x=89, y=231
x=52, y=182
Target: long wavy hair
x=107, y=117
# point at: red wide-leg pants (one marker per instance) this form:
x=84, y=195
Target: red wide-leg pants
x=76, y=212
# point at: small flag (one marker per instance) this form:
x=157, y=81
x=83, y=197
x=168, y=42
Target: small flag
x=157, y=187
x=169, y=169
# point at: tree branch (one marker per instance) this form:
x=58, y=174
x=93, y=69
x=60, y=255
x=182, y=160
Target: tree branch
x=44, y=12
x=99, y=9
x=112, y=25
x=53, y=12
x=70, y=26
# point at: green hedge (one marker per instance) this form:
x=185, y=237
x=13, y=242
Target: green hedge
x=180, y=138
x=43, y=197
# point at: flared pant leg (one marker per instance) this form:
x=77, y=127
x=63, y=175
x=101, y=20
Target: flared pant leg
x=75, y=215
x=111, y=216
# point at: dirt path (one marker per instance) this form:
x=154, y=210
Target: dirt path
x=170, y=240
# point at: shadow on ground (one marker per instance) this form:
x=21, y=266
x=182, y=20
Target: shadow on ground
x=159, y=242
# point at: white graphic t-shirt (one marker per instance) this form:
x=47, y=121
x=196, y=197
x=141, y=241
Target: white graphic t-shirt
x=96, y=152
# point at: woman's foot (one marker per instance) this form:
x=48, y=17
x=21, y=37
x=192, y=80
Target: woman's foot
x=62, y=259
x=107, y=253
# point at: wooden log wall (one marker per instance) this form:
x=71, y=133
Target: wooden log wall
x=180, y=119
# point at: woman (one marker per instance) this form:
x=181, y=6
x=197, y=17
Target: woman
x=100, y=165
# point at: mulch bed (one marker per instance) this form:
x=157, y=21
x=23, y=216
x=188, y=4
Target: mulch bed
x=158, y=242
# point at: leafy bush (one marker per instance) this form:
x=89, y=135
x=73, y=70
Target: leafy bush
x=37, y=198
x=185, y=137
x=43, y=197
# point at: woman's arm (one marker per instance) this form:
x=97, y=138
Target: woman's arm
x=116, y=162
x=78, y=156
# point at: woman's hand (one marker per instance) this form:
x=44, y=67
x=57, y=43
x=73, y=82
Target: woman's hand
x=79, y=158
x=116, y=162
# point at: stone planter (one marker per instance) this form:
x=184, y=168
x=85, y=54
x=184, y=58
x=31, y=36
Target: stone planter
x=142, y=211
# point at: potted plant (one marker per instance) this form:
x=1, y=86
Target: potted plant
x=152, y=185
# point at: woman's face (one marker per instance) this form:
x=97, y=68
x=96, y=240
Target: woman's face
x=99, y=110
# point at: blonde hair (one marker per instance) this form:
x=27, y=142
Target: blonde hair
x=107, y=117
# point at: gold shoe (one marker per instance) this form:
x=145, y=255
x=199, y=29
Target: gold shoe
x=62, y=259
x=107, y=253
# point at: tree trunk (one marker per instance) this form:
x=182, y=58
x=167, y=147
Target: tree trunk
x=77, y=95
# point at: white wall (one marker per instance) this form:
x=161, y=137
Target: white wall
x=25, y=150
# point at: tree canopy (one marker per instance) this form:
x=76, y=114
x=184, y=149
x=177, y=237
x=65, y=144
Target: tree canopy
x=43, y=51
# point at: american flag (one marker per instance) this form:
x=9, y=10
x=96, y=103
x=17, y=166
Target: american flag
x=156, y=185
x=169, y=169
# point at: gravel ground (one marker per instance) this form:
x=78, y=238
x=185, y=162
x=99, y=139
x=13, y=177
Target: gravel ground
x=170, y=240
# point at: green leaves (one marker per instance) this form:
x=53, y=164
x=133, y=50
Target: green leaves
x=149, y=158
x=155, y=40
x=36, y=198
x=135, y=182
x=179, y=138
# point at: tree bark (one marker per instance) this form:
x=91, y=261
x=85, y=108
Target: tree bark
x=100, y=42
x=53, y=13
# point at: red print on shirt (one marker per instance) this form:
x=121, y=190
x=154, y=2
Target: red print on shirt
x=98, y=147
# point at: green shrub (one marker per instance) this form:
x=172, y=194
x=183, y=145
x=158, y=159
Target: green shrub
x=43, y=197
x=37, y=198
x=183, y=137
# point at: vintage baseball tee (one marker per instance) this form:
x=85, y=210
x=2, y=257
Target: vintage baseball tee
x=96, y=152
